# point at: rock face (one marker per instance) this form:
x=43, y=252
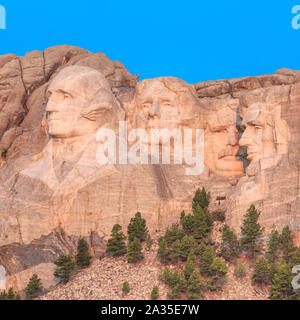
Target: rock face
x=61, y=107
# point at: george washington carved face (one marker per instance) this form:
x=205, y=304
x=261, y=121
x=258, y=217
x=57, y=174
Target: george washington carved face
x=79, y=102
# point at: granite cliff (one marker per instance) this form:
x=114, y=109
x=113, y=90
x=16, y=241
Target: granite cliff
x=53, y=190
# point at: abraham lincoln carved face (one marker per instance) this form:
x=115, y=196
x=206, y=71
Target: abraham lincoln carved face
x=80, y=101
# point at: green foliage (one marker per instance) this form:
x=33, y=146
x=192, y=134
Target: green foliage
x=4, y=153
x=34, y=287
x=201, y=198
x=219, y=216
x=116, y=244
x=189, y=266
x=202, y=225
x=230, y=245
x=187, y=222
x=175, y=245
x=134, y=251
x=65, y=267
x=239, y=270
x=262, y=272
x=10, y=295
x=187, y=245
x=273, y=246
x=195, y=286
x=295, y=258
x=251, y=232
x=200, y=248
x=175, y=280
x=286, y=243
x=137, y=228
x=83, y=256
x=163, y=253
x=281, y=288
x=154, y=293
x=218, y=271
x=125, y=287
x=206, y=260
x=175, y=251
x=173, y=233
x=149, y=241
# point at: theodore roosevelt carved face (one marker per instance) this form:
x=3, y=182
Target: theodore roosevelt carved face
x=221, y=142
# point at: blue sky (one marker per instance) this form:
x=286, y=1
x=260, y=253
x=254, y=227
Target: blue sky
x=193, y=40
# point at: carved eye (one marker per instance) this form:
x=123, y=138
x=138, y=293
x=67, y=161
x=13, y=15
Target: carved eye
x=166, y=104
x=48, y=94
x=67, y=96
x=146, y=105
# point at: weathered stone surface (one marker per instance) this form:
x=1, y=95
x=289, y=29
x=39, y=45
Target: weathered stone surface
x=53, y=189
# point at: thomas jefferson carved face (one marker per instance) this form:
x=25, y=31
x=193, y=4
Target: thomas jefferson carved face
x=221, y=143
x=80, y=101
x=265, y=132
x=163, y=103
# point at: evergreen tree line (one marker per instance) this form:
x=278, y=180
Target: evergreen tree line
x=137, y=232
x=190, y=242
x=272, y=265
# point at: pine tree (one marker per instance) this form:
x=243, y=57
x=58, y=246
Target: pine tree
x=273, y=246
x=166, y=276
x=154, y=293
x=200, y=226
x=134, y=251
x=195, y=286
x=189, y=266
x=286, y=242
x=175, y=280
x=177, y=284
x=251, y=232
x=187, y=222
x=206, y=260
x=218, y=271
x=262, y=272
x=173, y=233
x=137, y=228
x=125, y=287
x=65, y=267
x=230, y=245
x=187, y=245
x=295, y=259
x=116, y=245
x=163, y=253
x=34, y=287
x=82, y=257
x=175, y=252
x=3, y=295
x=201, y=198
x=281, y=288
x=10, y=294
x=149, y=241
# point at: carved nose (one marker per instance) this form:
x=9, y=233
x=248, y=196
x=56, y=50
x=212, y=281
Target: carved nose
x=155, y=110
x=232, y=137
x=245, y=139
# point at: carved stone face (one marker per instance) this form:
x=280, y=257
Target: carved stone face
x=221, y=143
x=79, y=102
x=162, y=103
x=265, y=132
